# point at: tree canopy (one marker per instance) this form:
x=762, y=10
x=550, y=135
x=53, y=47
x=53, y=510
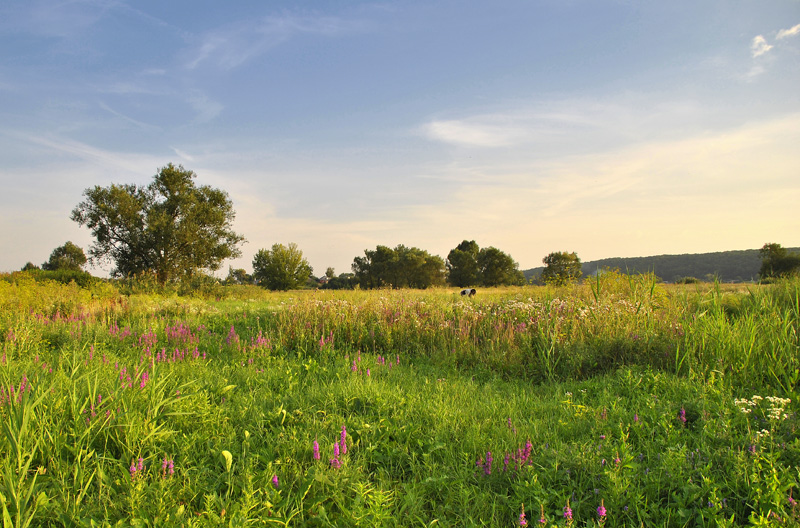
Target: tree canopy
x=281, y=268
x=67, y=257
x=401, y=267
x=462, y=265
x=497, y=268
x=171, y=227
x=561, y=268
x=776, y=262
x=470, y=265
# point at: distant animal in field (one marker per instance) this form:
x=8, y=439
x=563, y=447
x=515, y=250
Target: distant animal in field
x=469, y=292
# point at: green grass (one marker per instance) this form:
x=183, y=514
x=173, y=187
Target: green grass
x=157, y=410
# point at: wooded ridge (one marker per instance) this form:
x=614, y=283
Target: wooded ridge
x=727, y=266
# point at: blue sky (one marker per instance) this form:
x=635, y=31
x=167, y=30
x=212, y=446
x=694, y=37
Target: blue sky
x=609, y=128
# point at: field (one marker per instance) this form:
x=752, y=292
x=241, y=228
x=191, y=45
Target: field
x=619, y=402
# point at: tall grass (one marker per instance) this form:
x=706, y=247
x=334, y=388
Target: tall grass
x=666, y=403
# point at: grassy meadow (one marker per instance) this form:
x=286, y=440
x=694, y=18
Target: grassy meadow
x=618, y=402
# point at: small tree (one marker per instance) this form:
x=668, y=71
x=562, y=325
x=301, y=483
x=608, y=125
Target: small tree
x=67, y=257
x=281, y=268
x=170, y=228
x=497, y=268
x=29, y=266
x=561, y=268
x=462, y=264
x=777, y=262
x=238, y=276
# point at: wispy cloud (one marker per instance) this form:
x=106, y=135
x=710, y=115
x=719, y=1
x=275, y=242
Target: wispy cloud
x=131, y=120
x=205, y=107
x=232, y=45
x=759, y=46
x=474, y=134
x=791, y=32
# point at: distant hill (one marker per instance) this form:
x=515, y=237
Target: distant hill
x=728, y=266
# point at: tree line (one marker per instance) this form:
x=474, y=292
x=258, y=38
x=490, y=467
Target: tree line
x=173, y=230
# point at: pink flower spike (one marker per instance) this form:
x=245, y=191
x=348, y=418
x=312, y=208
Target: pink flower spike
x=522, y=520
x=275, y=481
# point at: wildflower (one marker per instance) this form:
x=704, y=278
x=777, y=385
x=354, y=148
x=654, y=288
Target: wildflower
x=344, y=440
x=568, y=512
x=542, y=519
x=635, y=418
x=316, y=450
x=487, y=468
x=522, y=520
x=132, y=470
x=617, y=460
x=682, y=415
x=275, y=481
x=601, y=511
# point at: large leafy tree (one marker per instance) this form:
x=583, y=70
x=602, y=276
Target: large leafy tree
x=561, y=268
x=281, y=268
x=171, y=227
x=462, y=264
x=67, y=257
x=776, y=261
x=469, y=265
x=401, y=267
x=497, y=268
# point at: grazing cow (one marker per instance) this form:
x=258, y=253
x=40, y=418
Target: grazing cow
x=469, y=292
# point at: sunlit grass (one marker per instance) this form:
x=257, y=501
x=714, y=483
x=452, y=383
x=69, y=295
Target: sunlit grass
x=656, y=402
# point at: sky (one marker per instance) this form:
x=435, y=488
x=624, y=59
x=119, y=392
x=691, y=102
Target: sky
x=608, y=128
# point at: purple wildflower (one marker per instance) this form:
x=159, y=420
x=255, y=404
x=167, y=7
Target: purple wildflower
x=316, y=450
x=635, y=418
x=601, y=511
x=487, y=468
x=275, y=481
x=522, y=520
x=343, y=440
x=567, y=512
x=682, y=415
x=542, y=519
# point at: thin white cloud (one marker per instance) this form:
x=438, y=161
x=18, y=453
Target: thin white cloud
x=205, y=107
x=474, y=134
x=791, y=32
x=183, y=154
x=131, y=120
x=232, y=45
x=759, y=46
